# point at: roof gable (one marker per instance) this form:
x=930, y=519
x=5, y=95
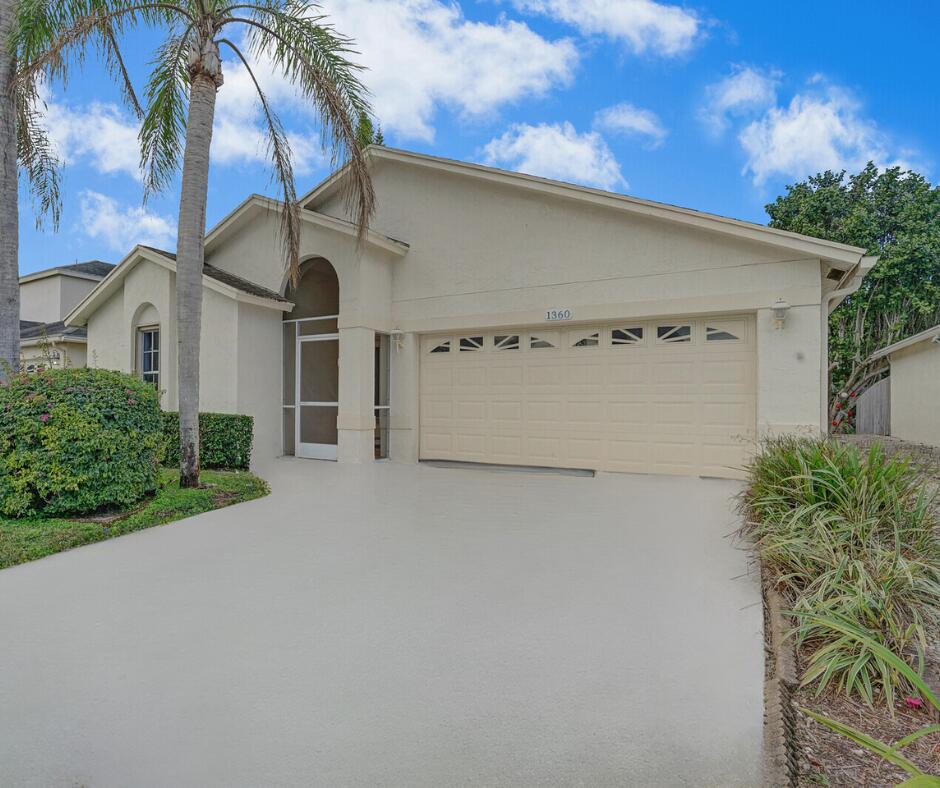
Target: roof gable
x=214, y=278
x=837, y=255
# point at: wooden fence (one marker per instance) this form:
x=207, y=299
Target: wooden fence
x=874, y=410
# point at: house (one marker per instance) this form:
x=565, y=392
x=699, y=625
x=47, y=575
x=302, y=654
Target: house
x=46, y=297
x=495, y=317
x=915, y=386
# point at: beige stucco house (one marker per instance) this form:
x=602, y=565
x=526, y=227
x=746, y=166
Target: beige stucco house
x=46, y=297
x=494, y=317
x=915, y=386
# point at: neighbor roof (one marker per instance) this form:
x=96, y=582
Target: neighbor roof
x=32, y=331
x=923, y=336
x=838, y=255
x=92, y=269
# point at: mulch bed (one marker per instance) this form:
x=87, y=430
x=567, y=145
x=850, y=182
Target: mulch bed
x=830, y=759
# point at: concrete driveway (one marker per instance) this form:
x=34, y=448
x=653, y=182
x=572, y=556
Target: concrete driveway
x=391, y=625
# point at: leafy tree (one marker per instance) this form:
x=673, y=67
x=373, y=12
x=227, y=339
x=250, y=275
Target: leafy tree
x=891, y=213
x=23, y=146
x=176, y=130
x=367, y=133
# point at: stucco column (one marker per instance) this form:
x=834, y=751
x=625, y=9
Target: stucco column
x=356, y=417
x=403, y=415
x=788, y=384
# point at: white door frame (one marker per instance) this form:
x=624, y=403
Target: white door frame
x=312, y=451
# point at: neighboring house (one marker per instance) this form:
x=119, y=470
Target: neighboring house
x=915, y=386
x=489, y=316
x=46, y=297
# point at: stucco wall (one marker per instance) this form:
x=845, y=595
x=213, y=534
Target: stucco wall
x=39, y=300
x=258, y=378
x=52, y=297
x=488, y=255
x=915, y=393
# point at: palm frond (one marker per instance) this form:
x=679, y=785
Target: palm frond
x=36, y=156
x=315, y=59
x=164, y=123
x=279, y=151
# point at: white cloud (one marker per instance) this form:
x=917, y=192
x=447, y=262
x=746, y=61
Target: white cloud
x=99, y=132
x=121, y=228
x=629, y=120
x=556, y=151
x=643, y=25
x=425, y=53
x=815, y=132
x=746, y=89
x=240, y=135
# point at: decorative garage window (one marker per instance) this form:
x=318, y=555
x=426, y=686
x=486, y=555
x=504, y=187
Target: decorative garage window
x=541, y=342
x=674, y=334
x=725, y=332
x=506, y=342
x=471, y=344
x=626, y=336
x=442, y=347
x=586, y=339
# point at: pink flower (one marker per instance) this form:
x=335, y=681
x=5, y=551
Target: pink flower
x=132, y=402
x=44, y=418
x=914, y=703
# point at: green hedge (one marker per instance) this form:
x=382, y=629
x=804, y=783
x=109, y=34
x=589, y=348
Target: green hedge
x=224, y=439
x=74, y=441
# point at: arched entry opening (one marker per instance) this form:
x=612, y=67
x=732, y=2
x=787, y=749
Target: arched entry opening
x=311, y=363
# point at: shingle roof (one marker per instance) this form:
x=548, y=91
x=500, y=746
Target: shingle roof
x=93, y=267
x=33, y=329
x=227, y=278
x=96, y=268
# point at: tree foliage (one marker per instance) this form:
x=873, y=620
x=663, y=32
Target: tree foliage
x=891, y=213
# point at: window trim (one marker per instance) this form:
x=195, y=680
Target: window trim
x=154, y=374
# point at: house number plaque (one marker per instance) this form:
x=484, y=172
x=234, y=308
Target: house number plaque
x=558, y=314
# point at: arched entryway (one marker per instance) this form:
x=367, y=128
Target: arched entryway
x=311, y=363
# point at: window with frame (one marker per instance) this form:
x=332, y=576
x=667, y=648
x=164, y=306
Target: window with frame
x=506, y=342
x=627, y=336
x=148, y=354
x=470, y=344
x=723, y=333
x=674, y=334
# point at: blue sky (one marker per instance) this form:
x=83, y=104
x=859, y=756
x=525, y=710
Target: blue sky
x=714, y=105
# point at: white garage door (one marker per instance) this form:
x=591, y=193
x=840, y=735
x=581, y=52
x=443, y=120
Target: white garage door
x=668, y=396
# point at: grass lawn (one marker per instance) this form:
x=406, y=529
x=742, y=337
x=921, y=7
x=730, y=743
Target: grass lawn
x=28, y=539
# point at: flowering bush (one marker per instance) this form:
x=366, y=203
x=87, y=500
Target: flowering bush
x=74, y=441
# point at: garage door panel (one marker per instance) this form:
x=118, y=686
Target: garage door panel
x=644, y=405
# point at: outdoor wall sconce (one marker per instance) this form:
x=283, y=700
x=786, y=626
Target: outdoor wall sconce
x=398, y=339
x=780, y=309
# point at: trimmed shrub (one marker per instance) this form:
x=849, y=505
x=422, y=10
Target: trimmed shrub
x=224, y=439
x=74, y=441
x=849, y=538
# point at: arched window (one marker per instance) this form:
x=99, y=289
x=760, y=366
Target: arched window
x=147, y=344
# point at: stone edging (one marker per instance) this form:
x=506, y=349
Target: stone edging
x=781, y=745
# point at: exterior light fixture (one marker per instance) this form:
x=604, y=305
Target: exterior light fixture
x=780, y=309
x=398, y=338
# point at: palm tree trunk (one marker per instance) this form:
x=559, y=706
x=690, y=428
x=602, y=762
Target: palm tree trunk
x=206, y=77
x=9, y=214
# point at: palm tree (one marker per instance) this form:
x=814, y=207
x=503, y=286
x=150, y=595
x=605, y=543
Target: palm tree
x=181, y=95
x=23, y=143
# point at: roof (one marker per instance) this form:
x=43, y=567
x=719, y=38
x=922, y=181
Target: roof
x=228, y=284
x=36, y=330
x=92, y=269
x=257, y=202
x=837, y=255
x=229, y=279
x=932, y=334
